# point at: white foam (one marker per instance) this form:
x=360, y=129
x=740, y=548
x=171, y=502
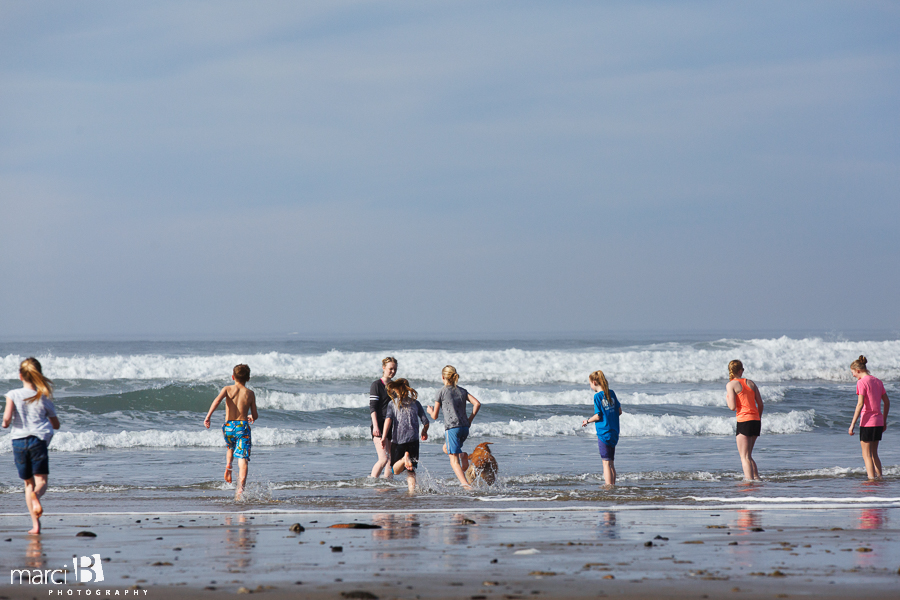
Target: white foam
x=766, y=360
x=323, y=401
x=632, y=426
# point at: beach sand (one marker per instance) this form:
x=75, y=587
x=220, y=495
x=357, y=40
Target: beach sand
x=475, y=554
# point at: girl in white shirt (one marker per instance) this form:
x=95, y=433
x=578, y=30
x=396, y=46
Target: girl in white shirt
x=32, y=415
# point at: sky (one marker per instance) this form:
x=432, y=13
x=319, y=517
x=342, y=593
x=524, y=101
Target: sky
x=399, y=168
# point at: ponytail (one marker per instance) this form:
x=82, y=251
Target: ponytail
x=860, y=364
x=31, y=371
x=600, y=379
x=449, y=373
x=735, y=368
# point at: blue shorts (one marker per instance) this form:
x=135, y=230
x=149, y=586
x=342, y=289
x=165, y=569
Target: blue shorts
x=455, y=439
x=31, y=458
x=607, y=451
x=237, y=438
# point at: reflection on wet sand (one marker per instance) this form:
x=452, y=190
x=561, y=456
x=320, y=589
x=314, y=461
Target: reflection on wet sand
x=747, y=519
x=34, y=554
x=608, y=526
x=873, y=518
x=239, y=542
x=395, y=527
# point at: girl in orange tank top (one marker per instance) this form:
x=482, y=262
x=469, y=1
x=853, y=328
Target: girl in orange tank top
x=746, y=403
x=742, y=396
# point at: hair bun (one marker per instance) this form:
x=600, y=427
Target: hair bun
x=862, y=359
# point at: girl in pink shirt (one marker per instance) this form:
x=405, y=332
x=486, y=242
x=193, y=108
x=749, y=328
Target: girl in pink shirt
x=872, y=423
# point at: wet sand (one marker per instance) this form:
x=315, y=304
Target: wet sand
x=478, y=555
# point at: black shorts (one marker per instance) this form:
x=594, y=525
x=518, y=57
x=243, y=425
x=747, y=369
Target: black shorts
x=398, y=451
x=749, y=428
x=870, y=434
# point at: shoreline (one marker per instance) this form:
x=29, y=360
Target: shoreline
x=495, y=554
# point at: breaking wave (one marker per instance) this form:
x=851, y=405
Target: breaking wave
x=766, y=360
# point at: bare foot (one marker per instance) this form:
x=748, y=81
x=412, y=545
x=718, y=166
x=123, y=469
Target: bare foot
x=238, y=493
x=35, y=530
x=407, y=462
x=228, y=474
x=36, y=509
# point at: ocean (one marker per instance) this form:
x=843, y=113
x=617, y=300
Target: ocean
x=132, y=436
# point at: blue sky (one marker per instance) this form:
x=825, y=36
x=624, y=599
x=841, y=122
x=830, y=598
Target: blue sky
x=218, y=168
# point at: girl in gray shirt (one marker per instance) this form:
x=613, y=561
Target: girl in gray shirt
x=454, y=398
x=403, y=414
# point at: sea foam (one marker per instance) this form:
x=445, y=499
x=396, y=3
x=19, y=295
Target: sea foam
x=632, y=426
x=324, y=401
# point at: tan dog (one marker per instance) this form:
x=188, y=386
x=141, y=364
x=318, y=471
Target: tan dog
x=482, y=463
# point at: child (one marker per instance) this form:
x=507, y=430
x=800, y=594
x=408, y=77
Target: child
x=404, y=414
x=455, y=421
x=872, y=423
x=606, y=416
x=742, y=396
x=238, y=402
x=31, y=412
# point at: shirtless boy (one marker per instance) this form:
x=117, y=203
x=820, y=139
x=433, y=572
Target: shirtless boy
x=239, y=401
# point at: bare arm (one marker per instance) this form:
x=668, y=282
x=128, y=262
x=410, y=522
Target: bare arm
x=425, y=431
x=433, y=410
x=8, y=413
x=387, y=427
x=254, y=415
x=54, y=421
x=859, y=406
x=214, y=406
x=594, y=418
x=759, y=402
x=731, y=396
x=887, y=408
x=476, y=406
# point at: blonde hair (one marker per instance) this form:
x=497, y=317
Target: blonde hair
x=402, y=393
x=450, y=375
x=30, y=370
x=241, y=373
x=600, y=379
x=388, y=359
x=735, y=368
x=860, y=364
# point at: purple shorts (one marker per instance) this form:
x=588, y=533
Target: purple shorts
x=607, y=451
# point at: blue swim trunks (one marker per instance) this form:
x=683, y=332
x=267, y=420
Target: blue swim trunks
x=455, y=439
x=237, y=438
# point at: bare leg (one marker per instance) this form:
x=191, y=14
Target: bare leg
x=745, y=449
x=387, y=467
x=458, y=469
x=243, y=464
x=876, y=462
x=870, y=455
x=34, y=489
x=464, y=460
x=229, y=457
x=609, y=472
x=405, y=464
x=383, y=459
